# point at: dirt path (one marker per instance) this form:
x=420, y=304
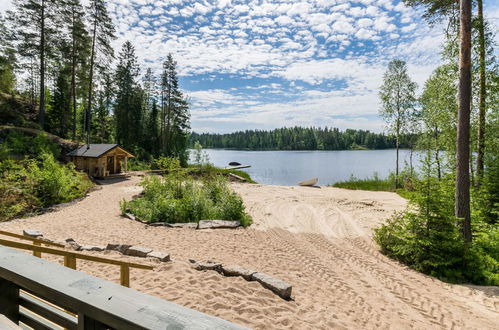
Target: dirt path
x=316, y=239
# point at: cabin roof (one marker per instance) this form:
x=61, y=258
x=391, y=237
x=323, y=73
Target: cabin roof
x=95, y=150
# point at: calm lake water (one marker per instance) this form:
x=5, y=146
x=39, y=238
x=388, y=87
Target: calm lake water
x=290, y=167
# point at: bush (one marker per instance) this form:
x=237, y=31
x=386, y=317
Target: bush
x=426, y=238
x=32, y=184
x=178, y=198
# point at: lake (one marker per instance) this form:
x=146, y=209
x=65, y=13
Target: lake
x=290, y=167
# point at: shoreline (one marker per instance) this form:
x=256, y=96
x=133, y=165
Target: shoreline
x=317, y=240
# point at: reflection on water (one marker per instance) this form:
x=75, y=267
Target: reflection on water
x=290, y=167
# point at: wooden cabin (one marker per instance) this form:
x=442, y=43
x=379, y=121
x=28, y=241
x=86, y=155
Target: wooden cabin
x=100, y=160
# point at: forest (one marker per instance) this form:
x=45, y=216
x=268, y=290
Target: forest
x=299, y=138
x=59, y=73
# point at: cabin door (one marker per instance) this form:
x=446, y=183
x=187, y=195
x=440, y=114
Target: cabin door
x=110, y=164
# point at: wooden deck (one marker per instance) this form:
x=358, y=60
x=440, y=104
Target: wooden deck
x=40, y=293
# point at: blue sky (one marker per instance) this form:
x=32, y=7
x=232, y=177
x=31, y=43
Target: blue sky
x=261, y=64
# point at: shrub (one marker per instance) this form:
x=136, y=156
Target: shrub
x=32, y=184
x=426, y=238
x=178, y=198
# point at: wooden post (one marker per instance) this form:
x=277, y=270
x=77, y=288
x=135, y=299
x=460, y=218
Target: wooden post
x=87, y=323
x=9, y=300
x=125, y=275
x=70, y=262
x=126, y=164
x=37, y=253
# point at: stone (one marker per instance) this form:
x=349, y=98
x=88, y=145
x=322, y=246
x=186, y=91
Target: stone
x=161, y=256
x=214, y=224
x=234, y=270
x=118, y=247
x=73, y=244
x=208, y=265
x=281, y=288
x=192, y=225
x=159, y=224
x=32, y=233
x=130, y=216
x=92, y=248
x=137, y=251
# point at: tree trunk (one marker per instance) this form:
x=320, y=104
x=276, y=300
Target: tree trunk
x=437, y=155
x=462, y=194
x=90, y=84
x=397, y=158
x=73, y=74
x=41, y=113
x=483, y=95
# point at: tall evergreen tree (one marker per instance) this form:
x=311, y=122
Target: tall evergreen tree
x=174, y=112
x=127, y=97
x=102, y=30
x=36, y=30
x=398, y=100
x=7, y=59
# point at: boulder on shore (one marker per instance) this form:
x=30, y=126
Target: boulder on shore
x=281, y=288
x=32, y=233
x=137, y=251
x=234, y=270
x=208, y=265
x=118, y=247
x=214, y=224
x=161, y=256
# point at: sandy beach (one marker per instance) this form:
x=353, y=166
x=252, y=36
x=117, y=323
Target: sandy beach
x=317, y=239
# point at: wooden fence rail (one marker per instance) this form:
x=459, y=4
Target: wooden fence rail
x=71, y=257
x=36, y=241
x=38, y=293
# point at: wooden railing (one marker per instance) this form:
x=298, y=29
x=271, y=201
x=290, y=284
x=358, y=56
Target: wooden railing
x=70, y=257
x=36, y=241
x=44, y=295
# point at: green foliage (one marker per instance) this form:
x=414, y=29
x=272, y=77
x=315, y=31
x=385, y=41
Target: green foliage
x=299, y=138
x=32, y=184
x=375, y=183
x=178, y=198
x=426, y=237
x=20, y=144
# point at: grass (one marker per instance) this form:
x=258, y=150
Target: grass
x=375, y=183
x=180, y=197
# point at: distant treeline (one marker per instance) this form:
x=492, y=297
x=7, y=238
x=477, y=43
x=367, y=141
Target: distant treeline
x=299, y=138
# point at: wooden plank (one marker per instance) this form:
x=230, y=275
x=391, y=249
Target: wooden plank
x=70, y=262
x=9, y=300
x=37, y=253
x=125, y=276
x=48, y=312
x=106, y=302
x=7, y=324
x=240, y=178
x=76, y=255
x=36, y=322
x=28, y=238
x=236, y=167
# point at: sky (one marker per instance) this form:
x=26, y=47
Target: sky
x=263, y=64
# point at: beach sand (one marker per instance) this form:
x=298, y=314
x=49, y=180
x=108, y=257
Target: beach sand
x=317, y=239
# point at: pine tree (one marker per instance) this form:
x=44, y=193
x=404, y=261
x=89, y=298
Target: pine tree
x=174, y=112
x=102, y=34
x=36, y=30
x=127, y=98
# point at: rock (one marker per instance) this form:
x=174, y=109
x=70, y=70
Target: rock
x=234, y=270
x=159, y=224
x=92, y=248
x=161, y=256
x=32, y=233
x=137, y=251
x=282, y=289
x=208, y=265
x=192, y=225
x=118, y=247
x=130, y=216
x=208, y=224
x=73, y=244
